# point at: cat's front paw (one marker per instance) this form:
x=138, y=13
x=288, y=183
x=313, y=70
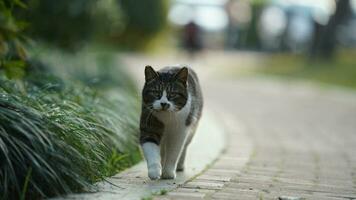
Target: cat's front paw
x=168, y=174
x=154, y=172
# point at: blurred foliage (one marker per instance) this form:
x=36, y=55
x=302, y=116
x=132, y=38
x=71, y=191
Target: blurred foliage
x=340, y=71
x=100, y=70
x=66, y=23
x=70, y=24
x=252, y=39
x=12, y=51
x=144, y=19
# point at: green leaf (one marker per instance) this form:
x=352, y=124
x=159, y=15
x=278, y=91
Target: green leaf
x=20, y=3
x=25, y=187
x=14, y=69
x=20, y=50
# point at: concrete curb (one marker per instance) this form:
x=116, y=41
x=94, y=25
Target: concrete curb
x=133, y=183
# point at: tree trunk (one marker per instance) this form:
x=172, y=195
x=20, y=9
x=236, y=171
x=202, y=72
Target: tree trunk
x=324, y=42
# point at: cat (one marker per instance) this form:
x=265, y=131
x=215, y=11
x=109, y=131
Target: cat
x=172, y=105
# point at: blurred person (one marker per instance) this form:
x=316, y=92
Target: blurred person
x=192, y=41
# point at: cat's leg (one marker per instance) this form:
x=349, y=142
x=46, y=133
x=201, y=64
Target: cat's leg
x=163, y=152
x=151, y=152
x=181, y=162
x=174, y=148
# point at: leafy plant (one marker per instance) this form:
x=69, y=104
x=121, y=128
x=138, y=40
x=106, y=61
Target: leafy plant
x=143, y=20
x=12, y=51
x=60, y=141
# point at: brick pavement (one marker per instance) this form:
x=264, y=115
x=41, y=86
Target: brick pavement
x=303, y=143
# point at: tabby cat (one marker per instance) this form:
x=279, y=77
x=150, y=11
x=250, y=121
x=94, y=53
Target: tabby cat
x=171, y=108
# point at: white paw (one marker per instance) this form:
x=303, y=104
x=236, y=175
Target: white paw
x=154, y=172
x=168, y=174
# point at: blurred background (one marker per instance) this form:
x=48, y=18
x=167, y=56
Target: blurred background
x=311, y=27
x=311, y=30
x=69, y=56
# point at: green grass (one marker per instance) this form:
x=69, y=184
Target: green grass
x=59, y=136
x=339, y=71
x=147, y=198
x=163, y=192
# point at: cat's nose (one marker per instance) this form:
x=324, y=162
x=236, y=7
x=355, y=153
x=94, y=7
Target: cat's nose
x=164, y=106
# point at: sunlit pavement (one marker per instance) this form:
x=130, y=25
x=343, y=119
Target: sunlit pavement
x=303, y=137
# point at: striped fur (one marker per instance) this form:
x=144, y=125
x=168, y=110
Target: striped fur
x=171, y=108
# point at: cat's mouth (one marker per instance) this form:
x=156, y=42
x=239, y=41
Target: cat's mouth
x=166, y=109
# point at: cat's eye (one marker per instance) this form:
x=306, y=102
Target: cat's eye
x=173, y=95
x=155, y=92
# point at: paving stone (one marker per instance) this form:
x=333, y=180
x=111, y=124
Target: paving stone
x=193, y=190
x=168, y=197
x=234, y=196
x=204, y=185
x=214, y=178
x=187, y=194
x=303, y=142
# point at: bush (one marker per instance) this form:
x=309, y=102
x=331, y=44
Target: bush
x=143, y=19
x=66, y=24
x=12, y=52
x=59, y=137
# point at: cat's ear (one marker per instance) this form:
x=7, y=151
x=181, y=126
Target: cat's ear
x=182, y=75
x=150, y=73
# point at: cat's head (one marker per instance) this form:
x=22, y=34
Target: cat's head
x=165, y=90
